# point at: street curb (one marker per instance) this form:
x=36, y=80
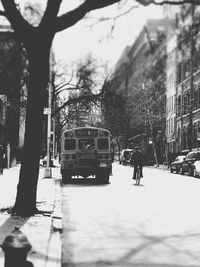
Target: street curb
x=54, y=249
x=161, y=167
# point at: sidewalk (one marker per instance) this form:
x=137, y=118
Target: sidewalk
x=42, y=230
x=161, y=167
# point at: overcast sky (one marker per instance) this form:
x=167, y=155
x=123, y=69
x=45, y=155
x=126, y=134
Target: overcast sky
x=75, y=42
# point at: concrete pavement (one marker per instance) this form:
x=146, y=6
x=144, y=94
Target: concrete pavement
x=161, y=166
x=120, y=224
x=42, y=230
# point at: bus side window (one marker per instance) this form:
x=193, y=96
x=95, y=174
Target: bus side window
x=103, y=143
x=70, y=144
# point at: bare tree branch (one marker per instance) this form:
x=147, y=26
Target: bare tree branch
x=51, y=13
x=2, y=13
x=195, y=2
x=102, y=19
x=70, y=18
x=63, y=88
x=19, y=24
x=170, y=2
x=76, y=100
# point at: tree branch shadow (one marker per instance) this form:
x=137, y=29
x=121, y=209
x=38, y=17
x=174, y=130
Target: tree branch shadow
x=8, y=226
x=150, y=240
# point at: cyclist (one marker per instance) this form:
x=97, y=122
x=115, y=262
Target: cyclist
x=137, y=159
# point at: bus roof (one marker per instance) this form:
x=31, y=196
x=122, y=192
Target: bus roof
x=85, y=127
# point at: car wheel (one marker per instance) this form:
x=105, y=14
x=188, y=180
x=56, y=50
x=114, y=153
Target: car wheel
x=181, y=171
x=195, y=173
x=191, y=172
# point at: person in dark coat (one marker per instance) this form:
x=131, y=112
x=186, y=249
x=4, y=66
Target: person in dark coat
x=1, y=159
x=137, y=159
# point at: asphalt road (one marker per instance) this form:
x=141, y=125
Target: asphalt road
x=121, y=224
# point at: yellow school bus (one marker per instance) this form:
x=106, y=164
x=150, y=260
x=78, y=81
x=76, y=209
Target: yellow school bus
x=86, y=151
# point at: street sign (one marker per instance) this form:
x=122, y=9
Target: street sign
x=47, y=111
x=150, y=140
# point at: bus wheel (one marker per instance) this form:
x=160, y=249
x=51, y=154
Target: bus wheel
x=102, y=177
x=66, y=178
x=106, y=178
x=98, y=177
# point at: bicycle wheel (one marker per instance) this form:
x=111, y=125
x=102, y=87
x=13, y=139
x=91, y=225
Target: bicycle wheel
x=138, y=177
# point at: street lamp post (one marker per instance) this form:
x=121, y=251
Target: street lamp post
x=47, y=171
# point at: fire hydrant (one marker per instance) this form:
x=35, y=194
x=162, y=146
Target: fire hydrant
x=16, y=247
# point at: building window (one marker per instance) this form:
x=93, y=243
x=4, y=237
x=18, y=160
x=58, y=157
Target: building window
x=184, y=143
x=174, y=103
x=198, y=56
x=195, y=98
x=1, y=110
x=198, y=96
x=179, y=72
x=187, y=69
x=167, y=106
x=198, y=133
x=179, y=106
x=186, y=103
x=179, y=138
x=194, y=135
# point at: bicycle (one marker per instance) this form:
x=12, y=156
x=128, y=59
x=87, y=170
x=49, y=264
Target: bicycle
x=138, y=176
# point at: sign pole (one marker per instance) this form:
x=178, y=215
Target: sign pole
x=47, y=171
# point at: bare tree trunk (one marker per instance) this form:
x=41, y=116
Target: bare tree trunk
x=155, y=153
x=25, y=203
x=153, y=140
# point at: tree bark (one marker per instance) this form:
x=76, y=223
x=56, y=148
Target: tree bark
x=25, y=203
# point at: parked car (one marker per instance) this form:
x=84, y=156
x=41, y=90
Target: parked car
x=188, y=163
x=175, y=166
x=125, y=156
x=197, y=168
